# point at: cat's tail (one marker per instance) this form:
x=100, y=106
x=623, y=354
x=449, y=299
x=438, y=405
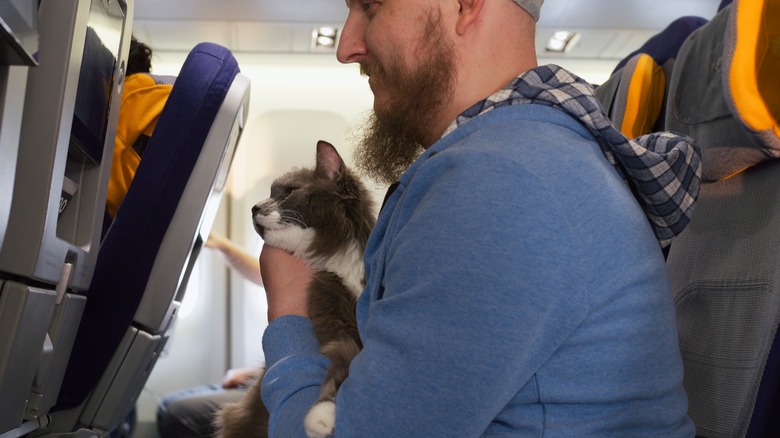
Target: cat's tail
x=320, y=421
x=245, y=418
x=340, y=352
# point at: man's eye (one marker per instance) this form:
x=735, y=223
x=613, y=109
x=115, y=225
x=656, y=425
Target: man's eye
x=368, y=6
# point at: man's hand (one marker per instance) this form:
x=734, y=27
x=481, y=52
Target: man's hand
x=286, y=280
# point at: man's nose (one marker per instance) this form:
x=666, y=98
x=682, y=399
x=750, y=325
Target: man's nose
x=352, y=44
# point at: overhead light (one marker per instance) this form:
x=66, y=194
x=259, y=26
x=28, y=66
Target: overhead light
x=562, y=41
x=324, y=38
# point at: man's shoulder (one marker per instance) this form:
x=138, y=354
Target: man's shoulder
x=526, y=124
x=527, y=135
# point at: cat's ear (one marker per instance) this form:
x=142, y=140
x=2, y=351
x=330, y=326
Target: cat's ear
x=329, y=162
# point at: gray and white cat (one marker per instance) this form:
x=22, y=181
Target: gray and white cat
x=324, y=216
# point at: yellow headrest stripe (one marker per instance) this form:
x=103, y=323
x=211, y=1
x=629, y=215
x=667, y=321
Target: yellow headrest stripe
x=743, y=77
x=645, y=98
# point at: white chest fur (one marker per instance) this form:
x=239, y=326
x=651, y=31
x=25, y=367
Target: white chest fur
x=347, y=263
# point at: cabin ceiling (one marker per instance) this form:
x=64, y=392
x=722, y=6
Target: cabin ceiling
x=609, y=29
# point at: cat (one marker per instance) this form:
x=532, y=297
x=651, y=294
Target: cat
x=323, y=215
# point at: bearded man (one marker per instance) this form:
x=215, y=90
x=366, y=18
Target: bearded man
x=515, y=282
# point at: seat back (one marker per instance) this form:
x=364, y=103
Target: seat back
x=664, y=46
x=147, y=254
x=725, y=266
x=13, y=80
x=20, y=321
x=56, y=135
x=634, y=96
x=725, y=274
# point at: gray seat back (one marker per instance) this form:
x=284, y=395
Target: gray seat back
x=725, y=266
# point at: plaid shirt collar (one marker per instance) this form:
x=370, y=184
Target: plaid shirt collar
x=663, y=170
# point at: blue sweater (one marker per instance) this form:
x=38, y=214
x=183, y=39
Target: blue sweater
x=514, y=287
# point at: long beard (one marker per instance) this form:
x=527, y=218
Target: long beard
x=396, y=134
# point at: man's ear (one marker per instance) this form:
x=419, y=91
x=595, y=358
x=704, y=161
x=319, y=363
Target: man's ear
x=468, y=14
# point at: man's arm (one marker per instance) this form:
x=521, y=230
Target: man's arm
x=290, y=342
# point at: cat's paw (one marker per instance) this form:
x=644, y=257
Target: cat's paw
x=320, y=421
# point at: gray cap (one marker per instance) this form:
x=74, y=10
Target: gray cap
x=531, y=6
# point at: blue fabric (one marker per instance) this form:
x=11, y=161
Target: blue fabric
x=663, y=169
x=514, y=287
x=129, y=249
x=766, y=410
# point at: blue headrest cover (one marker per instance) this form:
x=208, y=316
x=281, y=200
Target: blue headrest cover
x=665, y=45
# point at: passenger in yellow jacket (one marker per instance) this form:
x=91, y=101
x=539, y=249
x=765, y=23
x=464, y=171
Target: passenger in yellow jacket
x=143, y=98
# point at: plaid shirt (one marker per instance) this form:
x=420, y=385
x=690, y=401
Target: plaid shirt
x=663, y=170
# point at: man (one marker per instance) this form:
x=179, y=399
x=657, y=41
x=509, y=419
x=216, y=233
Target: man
x=514, y=286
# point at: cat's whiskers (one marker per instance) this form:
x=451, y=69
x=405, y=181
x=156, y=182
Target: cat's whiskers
x=292, y=216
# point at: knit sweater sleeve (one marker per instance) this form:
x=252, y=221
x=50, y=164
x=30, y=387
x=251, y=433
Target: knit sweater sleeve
x=295, y=370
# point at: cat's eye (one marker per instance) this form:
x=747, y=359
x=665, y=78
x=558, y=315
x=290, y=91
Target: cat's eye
x=289, y=191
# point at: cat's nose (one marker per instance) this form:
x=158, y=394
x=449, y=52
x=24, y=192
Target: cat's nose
x=255, y=209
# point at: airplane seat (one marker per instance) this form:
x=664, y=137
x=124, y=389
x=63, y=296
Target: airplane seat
x=725, y=95
x=634, y=96
x=149, y=249
x=725, y=266
x=13, y=80
x=143, y=98
x=665, y=45
x=52, y=186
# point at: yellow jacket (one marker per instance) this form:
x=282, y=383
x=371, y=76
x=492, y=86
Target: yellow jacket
x=143, y=99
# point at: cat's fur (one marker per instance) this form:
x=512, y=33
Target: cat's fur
x=323, y=215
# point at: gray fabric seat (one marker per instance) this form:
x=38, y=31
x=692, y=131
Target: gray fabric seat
x=725, y=266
